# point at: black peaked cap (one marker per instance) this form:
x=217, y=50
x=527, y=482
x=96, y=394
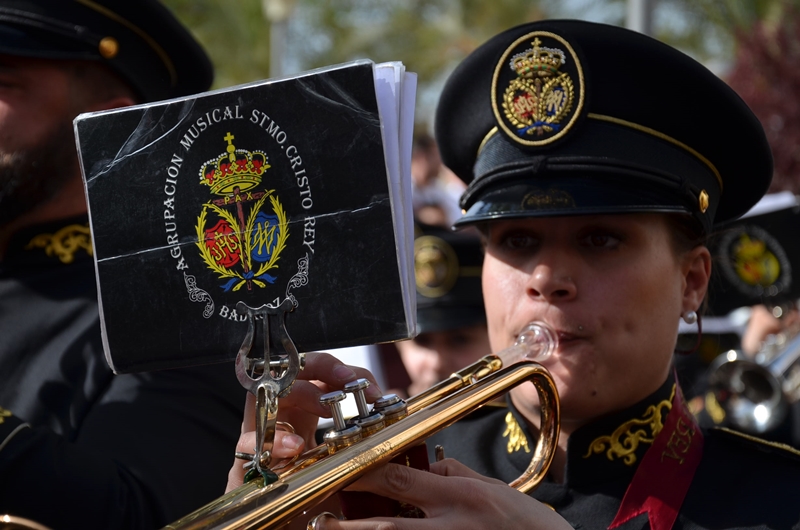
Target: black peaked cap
x=447, y=267
x=141, y=40
x=566, y=117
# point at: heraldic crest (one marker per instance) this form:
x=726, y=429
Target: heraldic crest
x=755, y=263
x=240, y=238
x=535, y=98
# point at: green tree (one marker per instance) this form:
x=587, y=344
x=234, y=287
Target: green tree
x=761, y=39
x=429, y=36
x=234, y=33
x=711, y=29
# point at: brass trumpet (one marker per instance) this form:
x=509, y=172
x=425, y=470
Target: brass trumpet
x=320, y=472
x=755, y=396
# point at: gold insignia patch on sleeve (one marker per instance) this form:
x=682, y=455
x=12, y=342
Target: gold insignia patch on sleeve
x=4, y=414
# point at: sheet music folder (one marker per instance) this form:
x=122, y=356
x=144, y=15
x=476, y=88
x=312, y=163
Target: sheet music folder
x=294, y=188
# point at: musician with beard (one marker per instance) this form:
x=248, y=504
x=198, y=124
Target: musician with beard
x=79, y=446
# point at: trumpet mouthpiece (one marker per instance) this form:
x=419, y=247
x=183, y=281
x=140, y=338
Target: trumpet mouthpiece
x=535, y=343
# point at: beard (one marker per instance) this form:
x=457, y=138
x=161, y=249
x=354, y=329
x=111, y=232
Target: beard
x=33, y=176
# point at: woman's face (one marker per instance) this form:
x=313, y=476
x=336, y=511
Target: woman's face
x=613, y=289
x=432, y=356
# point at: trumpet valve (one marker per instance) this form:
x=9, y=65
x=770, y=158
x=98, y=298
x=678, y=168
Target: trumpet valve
x=341, y=435
x=370, y=422
x=392, y=407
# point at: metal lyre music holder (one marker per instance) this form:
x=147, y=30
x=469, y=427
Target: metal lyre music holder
x=268, y=377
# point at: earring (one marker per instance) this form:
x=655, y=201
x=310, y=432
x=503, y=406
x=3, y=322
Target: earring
x=690, y=317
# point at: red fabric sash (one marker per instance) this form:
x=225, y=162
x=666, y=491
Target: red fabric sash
x=666, y=471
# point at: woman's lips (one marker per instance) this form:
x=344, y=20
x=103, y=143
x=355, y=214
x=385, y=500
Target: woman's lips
x=566, y=336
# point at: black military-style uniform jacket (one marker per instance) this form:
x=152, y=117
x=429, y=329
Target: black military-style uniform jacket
x=79, y=446
x=741, y=482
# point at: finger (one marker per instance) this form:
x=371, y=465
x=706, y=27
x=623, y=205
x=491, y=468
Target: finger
x=410, y=485
x=305, y=396
x=249, y=418
x=328, y=369
x=384, y=523
x=449, y=467
x=286, y=445
x=235, y=476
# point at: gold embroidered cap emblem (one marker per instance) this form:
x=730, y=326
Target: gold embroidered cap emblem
x=549, y=199
x=538, y=89
x=435, y=266
x=755, y=262
x=4, y=414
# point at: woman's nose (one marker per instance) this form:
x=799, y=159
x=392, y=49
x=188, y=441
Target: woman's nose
x=551, y=283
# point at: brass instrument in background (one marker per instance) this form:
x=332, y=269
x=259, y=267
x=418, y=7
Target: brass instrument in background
x=755, y=394
x=321, y=472
x=9, y=522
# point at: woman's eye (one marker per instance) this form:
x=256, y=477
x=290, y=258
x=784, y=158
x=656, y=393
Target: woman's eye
x=519, y=241
x=601, y=240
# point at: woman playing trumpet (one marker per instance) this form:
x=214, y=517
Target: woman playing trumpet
x=597, y=160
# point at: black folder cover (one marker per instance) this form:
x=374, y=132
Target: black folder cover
x=269, y=191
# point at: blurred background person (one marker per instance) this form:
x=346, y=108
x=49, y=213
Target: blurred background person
x=79, y=446
x=450, y=316
x=768, y=326
x=752, y=299
x=435, y=190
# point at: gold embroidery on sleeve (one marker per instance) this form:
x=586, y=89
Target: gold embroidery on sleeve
x=4, y=414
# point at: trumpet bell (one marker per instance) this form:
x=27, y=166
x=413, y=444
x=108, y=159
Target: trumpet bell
x=749, y=393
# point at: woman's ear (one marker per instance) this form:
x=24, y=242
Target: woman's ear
x=696, y=275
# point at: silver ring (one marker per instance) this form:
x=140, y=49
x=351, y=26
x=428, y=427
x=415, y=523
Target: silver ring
x=312, y=524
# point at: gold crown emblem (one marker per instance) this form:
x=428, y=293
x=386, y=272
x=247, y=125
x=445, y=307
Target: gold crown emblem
x=236, y=168
x=537, y=61
x=435, y=266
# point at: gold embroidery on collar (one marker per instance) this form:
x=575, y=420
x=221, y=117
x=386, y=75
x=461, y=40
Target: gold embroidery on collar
x=4, y=414
x=516, y=438
x=625, y=440
x=64, y=243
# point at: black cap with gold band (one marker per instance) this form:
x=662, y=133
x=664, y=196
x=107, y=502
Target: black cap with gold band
x=138, y=39
x=568, y=117
x=447, y=267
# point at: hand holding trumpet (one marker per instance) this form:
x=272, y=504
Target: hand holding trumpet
x=448, y=492
x=452, y=496
x=301, y=409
